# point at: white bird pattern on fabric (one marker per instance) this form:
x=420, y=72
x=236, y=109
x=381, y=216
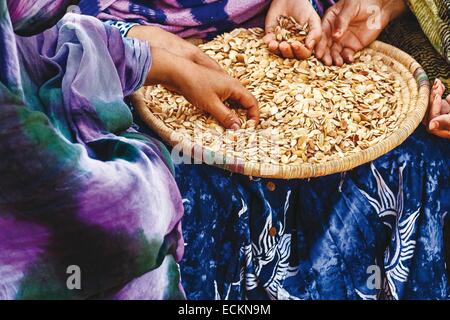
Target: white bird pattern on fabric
x=271, y=251
x=402, y=246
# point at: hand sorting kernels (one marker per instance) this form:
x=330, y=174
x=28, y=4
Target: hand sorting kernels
x=310, y=113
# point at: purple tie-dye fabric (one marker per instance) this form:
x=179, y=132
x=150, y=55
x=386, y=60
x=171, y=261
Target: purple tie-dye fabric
x=322, y=5
x=187, y=18
x=78, y=188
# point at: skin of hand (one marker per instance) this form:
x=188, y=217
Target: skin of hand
x=351, y=25
x=303, y=12
x=160, y=38
x=203, y=87
x=437, y=120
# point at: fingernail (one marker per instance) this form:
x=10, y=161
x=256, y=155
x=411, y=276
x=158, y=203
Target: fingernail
x=435, y=85
x=434, y=125
x=235, y=126
x=312, y=44
x=338, y=33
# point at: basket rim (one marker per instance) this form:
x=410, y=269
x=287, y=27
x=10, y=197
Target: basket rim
x=308, y=170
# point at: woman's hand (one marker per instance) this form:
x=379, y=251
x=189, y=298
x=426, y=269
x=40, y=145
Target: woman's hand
x=160, y=38
x=303, y=12
x=203, y=87
x=351, y=25
x=438, y=117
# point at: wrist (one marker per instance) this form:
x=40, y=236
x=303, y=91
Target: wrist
x=392, y=9
x=142, y=32
x=164, y=66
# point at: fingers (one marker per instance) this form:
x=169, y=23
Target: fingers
x=340, y=39
x=445, y=108
x=438, y=87
x=300, y=51
x=269, y=37
x=336, y=50
x=286, y=50
x=343, y=19
x=435, y=109
x=224, y=115
x=274, y=47
x=441, y=122
x=348, y=55
x=322, y=46
x=270, y=24
x=295, y=49
x=438, y=114
x=315, y=32
x=271, y=21
x=246, y=100
x=435, y=102
x=440, y=126
x=327, y=58
x=272, y=43
x=337, y=59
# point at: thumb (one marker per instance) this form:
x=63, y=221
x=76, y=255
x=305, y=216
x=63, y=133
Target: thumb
x=441, y=122
x=343, y=19
x=271, y=19
x=315, y=32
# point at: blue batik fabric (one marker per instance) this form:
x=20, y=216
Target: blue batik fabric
x=379, y=231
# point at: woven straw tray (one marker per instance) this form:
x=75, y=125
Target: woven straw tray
x=415, y=93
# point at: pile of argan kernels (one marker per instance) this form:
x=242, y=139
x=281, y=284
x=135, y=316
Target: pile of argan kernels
x=310, y=113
